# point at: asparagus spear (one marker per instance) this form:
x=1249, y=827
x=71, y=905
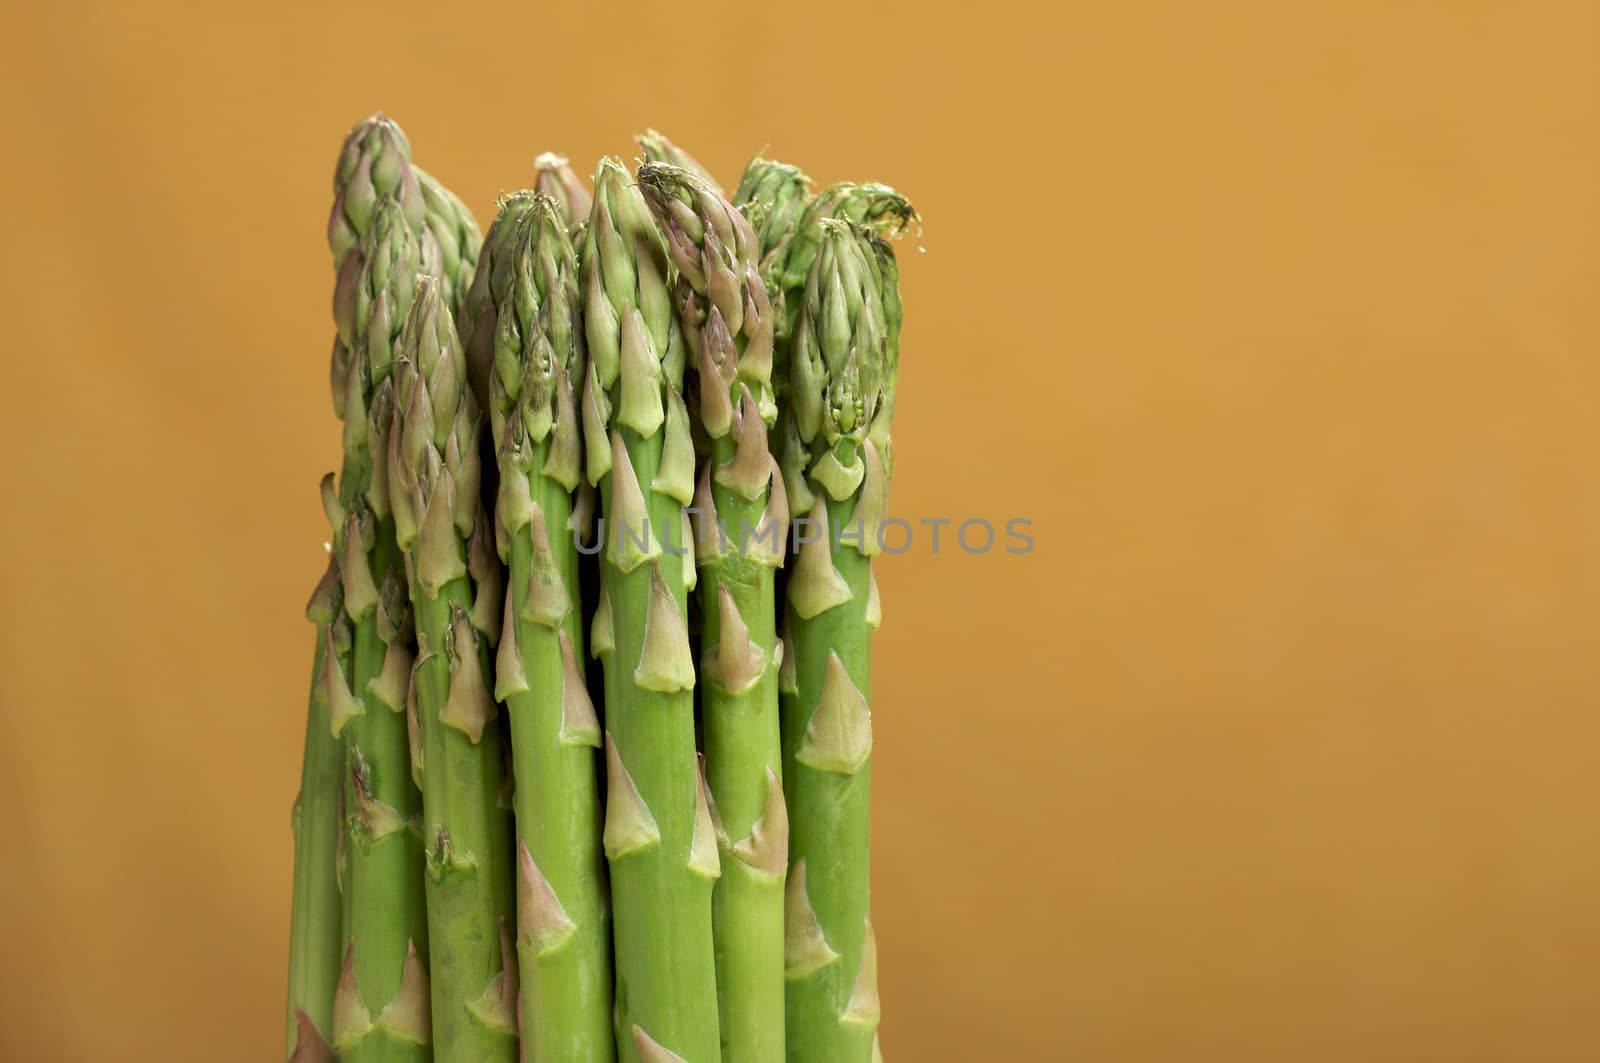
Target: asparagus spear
x=658, y=833
x=773, y=195
x=374, y=164
x=314, y=922
x=377, y=202
x=450, y=242
x=563, y=939
x=490, y=284
x=728, y=321
x=556, y=180
x=380, y=1007
x=886, y=279
x=657, y=148
x=433, y=478
x=869, y=206
x=837, y=367
x=875, y=211
x=492, y=277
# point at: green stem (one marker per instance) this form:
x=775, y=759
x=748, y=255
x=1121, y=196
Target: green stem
x=314, y=922
x=468, y=848
x=742, y=745
x=566, y=948
x=666, y=967
x=386, y=918
x=830, y=813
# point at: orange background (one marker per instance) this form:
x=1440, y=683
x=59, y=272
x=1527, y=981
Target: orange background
x=1277, y=320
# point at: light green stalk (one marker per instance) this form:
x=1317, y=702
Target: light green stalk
x=657, y=148
x=434, y=474
x=774, y=196
x=728, y=321
x=658, y=833
x=836, y=384
x=315, y=941
x=563, y=928
x=380, y=1006
x=876, y=210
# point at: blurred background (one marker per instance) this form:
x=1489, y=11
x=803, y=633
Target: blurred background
x=1276, y=320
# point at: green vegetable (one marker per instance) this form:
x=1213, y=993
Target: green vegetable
x=315, y=940
x=837, y=368
x=699, y=368
x=379, y=1008
x=374, y=165
x=870, y=207
x=773, y=195
x=450, y=241
x=455, y=588
x=556, y=180
x=658, y=834
x=564, y=933
x=728, y=321
x=657, y=148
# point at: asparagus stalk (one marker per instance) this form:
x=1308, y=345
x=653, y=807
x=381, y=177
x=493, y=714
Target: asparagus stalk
x=381, y=1004
x=872, y=207
x=491, y=283
x=314, y=922
x=773, y=195
x=728, y=321
x=374, y=165
x=886, y=279
x=563, y=931
x=433, y=478
x=450, y=241
x=837, y=366
x=556, y=180
x=875, y=211
x=658, y=834
x=657, y=148
x=491, y=280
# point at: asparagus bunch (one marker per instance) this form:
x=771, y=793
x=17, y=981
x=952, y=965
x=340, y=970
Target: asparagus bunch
x=658, y=832
x=564, y=934
x=455, y=590
x=678, y=356
x=742, y=516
